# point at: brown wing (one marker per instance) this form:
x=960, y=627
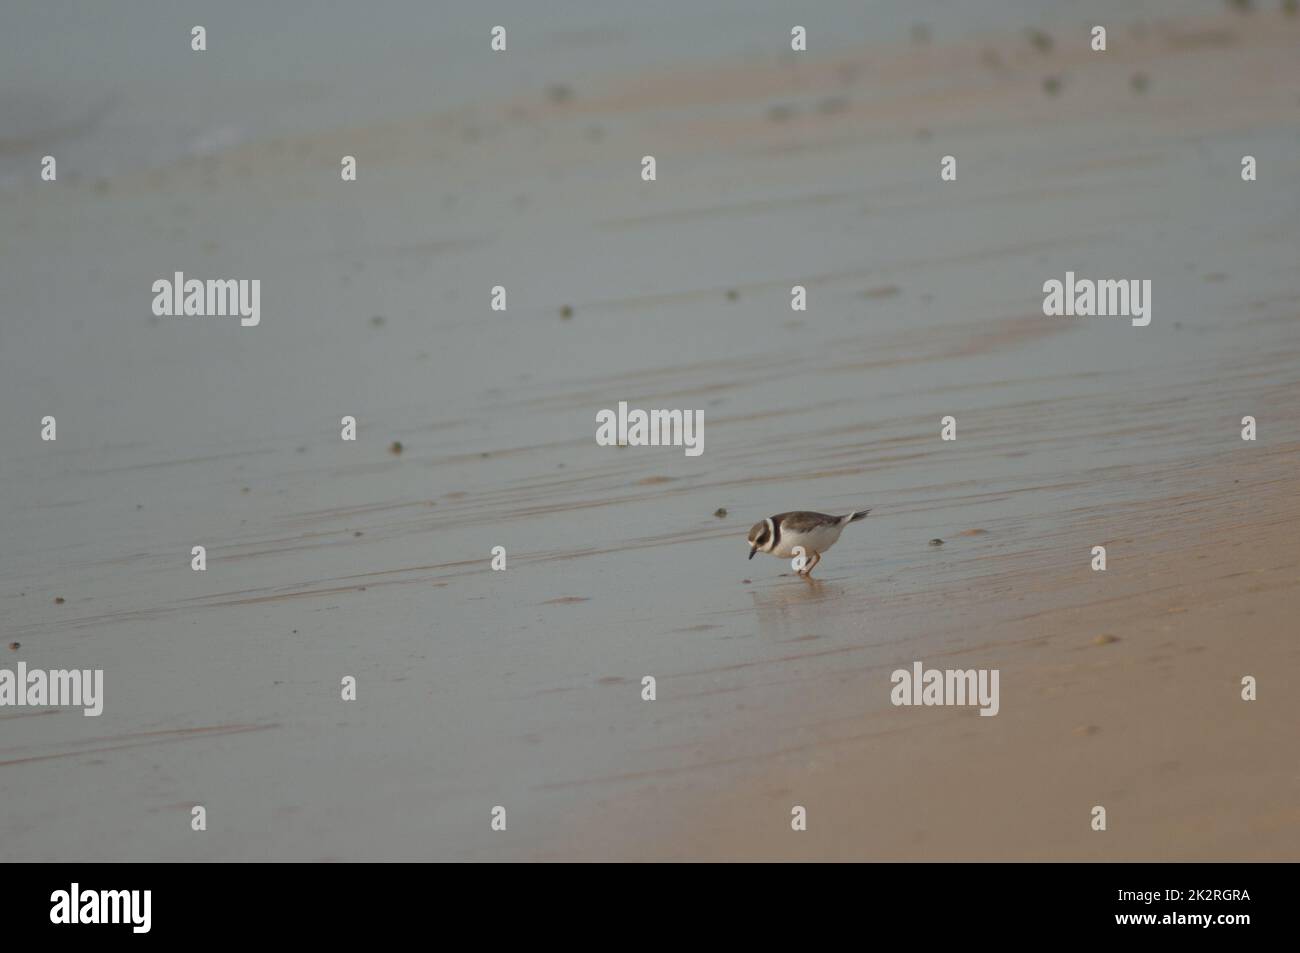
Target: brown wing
x=801, y=521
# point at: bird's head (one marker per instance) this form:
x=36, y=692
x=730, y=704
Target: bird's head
x=760, y=537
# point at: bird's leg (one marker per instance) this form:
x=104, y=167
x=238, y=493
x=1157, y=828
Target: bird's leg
x=807, y=570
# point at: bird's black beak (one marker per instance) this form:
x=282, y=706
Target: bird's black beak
x=752, y=550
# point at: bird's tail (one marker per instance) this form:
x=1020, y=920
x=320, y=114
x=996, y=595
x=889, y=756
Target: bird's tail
x=859, y=515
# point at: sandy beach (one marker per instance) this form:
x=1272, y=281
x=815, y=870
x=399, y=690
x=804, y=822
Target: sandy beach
x=523, y=688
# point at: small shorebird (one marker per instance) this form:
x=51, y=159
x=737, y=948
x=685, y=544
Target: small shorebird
x=814, y=532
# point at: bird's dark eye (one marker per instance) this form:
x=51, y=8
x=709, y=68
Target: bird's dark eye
x=761, y=539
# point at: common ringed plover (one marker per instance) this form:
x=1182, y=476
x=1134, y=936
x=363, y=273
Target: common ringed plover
x=815, y=532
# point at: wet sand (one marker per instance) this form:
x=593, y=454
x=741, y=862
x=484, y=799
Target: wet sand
x=523, y=688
